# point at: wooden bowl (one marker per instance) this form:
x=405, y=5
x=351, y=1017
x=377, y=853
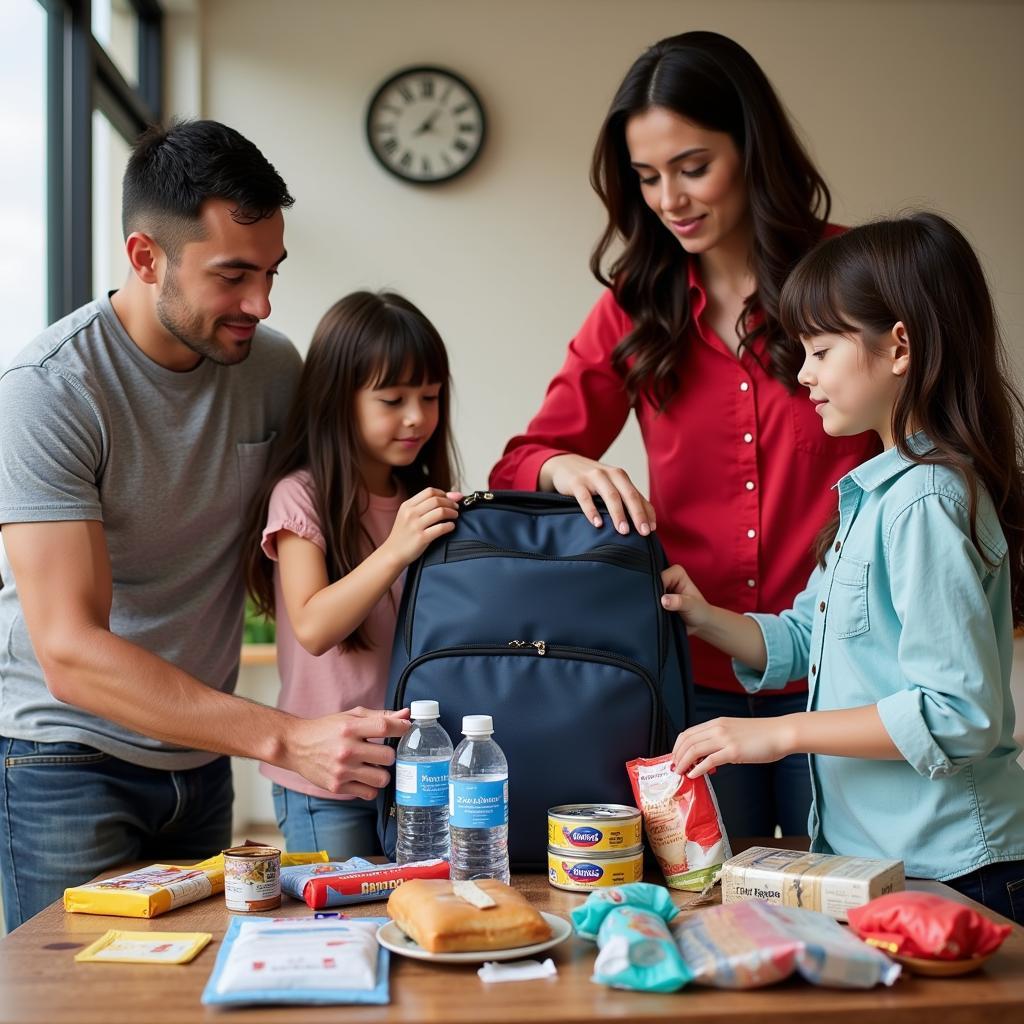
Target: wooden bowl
x=940, y=968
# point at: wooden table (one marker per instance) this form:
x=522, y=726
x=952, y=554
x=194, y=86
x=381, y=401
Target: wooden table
x=40, y=982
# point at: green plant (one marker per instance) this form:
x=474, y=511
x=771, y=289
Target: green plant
x=258, y=629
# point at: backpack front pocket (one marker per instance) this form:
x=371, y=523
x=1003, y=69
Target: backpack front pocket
x=568, y=719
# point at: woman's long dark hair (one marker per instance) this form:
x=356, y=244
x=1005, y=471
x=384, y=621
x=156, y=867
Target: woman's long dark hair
x=922, y=271
x=366, y=339
x=713, y=82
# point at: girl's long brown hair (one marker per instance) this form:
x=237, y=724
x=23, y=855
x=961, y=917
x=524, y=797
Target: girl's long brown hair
x=366, y=339
x=713, y=82
x=922, y=271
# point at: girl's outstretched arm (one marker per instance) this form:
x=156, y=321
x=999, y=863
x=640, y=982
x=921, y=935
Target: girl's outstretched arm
x=851, y=732
x=322, y=613
x=737, y=635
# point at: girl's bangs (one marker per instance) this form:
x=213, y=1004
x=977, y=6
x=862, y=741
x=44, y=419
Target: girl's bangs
x=811, y=304
x=407, y=353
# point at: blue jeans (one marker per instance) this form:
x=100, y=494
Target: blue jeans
x=68, y=812
x=754, y=798
x=1000, y=887
x=344, y=828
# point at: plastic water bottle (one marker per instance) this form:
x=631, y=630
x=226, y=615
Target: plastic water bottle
x=478, y=804
x=421, y=786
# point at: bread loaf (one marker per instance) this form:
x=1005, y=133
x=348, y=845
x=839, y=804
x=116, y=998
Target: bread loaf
x=430, y=913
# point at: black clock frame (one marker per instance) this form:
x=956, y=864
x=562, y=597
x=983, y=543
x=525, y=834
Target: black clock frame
x=420, y=69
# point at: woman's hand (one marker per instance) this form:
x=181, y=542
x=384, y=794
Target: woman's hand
x=732, y=741
x=582, y=478
x=682, y=596
x=420, y=520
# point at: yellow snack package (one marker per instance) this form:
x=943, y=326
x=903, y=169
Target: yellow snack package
x=145, y=947
x=153, y=890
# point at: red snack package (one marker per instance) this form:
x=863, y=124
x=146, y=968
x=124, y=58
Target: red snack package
x=325, y=888
x=919, y=924
x=683, y=823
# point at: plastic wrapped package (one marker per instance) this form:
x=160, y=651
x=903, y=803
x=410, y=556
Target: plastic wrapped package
x=263, y=960
x=754, y=943
x=635, y=949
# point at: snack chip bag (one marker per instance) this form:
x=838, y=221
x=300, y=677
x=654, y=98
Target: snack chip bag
x=683, y=823
x=930, y=927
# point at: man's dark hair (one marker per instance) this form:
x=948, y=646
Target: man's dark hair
x=173, y=171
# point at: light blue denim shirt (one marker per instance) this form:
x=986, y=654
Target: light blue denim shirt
x=908, y=616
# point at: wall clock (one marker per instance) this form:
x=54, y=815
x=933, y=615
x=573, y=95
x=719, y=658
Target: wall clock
x=425, y=125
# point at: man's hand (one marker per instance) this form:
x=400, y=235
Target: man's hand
x=336, y=752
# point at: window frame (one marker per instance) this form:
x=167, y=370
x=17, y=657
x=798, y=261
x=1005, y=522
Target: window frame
x=82, y=77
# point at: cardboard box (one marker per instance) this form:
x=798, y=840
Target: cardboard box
x=814, y=881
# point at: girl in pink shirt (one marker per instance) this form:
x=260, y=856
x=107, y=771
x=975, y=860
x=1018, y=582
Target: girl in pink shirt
x=333, y=531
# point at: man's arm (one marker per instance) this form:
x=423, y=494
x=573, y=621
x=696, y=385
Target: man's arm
x=62, y=572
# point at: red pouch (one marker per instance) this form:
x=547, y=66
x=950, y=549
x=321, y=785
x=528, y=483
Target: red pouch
x=920, y=924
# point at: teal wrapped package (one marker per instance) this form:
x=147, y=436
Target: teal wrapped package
x=636, y=950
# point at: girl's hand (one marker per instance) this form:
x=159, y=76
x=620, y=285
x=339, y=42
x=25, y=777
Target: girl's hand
x=681, y=595
x=420, y=520
x=732, y=741
x=582, y=478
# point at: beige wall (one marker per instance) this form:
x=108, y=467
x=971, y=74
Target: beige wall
x=903, y=103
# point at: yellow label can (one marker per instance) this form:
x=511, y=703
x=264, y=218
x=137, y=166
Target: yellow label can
x=581, y=872
x=594, y=828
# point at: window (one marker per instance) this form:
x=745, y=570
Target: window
x=103, y=74
x=23, y=274
x=115, y=26
x=110, y=152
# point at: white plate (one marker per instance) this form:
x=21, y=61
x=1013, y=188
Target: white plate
x=390, y=936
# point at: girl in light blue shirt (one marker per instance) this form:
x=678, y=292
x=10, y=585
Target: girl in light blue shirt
x=905, y=628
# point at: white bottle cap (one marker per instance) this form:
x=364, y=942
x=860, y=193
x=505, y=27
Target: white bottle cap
x=477, y=725
x=424, y=709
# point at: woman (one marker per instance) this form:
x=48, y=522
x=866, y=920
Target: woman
x=713, y=200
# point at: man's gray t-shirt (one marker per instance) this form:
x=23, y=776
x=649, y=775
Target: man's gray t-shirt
x=91, y=428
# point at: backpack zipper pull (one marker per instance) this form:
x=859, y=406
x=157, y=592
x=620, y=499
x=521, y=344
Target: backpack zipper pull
x=472, y=499
x=539, y=645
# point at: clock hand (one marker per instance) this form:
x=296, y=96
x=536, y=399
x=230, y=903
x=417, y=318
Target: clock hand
x=428, y=125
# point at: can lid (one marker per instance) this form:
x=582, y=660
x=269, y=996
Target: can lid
x=476, y=725
x=425, y=709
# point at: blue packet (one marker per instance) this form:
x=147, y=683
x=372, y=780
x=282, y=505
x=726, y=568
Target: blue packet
x=294, y=879
x=636, y=950
x=356, y=880
x=299, y=961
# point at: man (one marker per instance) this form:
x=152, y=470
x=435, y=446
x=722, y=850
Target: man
x=133, y=434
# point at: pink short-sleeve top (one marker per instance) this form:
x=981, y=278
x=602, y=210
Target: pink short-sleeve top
x=337, y=680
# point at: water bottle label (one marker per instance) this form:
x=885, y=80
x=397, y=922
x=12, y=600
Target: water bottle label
x=421, y=783
x=478, y=804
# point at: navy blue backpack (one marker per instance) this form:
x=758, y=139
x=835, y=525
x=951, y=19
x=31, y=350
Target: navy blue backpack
x=527, y=613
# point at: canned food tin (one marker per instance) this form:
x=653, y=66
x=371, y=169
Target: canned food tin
x=252, y=878
x=600, y=828
x=581, y=872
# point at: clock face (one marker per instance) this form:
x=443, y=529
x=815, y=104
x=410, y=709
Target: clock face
x=425, y=125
